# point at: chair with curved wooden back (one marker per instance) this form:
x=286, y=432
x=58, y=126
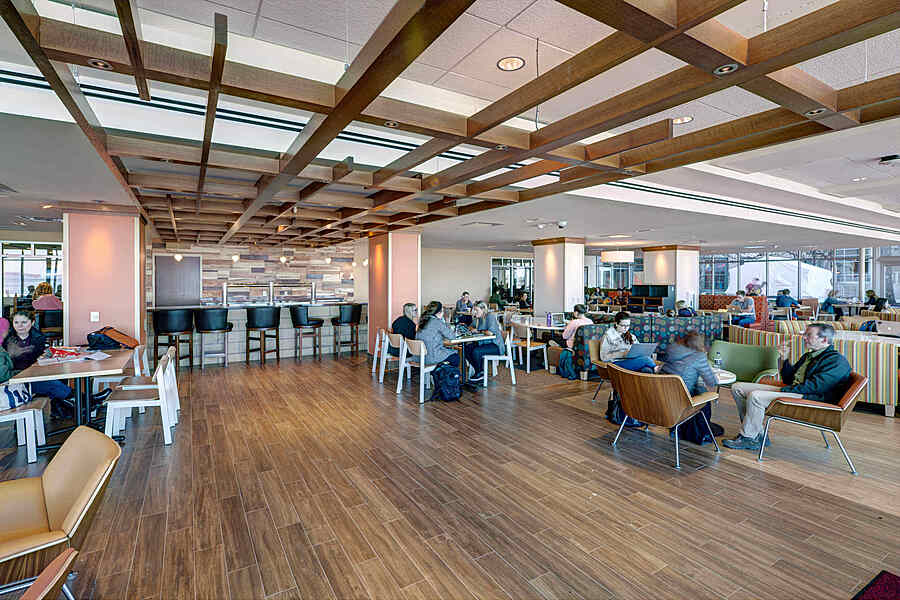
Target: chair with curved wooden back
x=594, y=349
x=661, y=400
x=522, y=340
x=416, y=349
x=816, y=415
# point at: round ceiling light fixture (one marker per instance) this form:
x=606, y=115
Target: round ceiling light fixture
x=235, y=258
x=501, y=147
x=178, y=257
x=510, y=63
x=858, y=179
x=815, y=112
x=682, y=120
x=725, y=69
x=283, y=259
x=99, y=64
x=391, y=124
x=47, y=206
x=327, y=260
x=365, y=262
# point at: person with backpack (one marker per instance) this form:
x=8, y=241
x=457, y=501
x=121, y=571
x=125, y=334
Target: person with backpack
x=432, y=332
x=687, y=358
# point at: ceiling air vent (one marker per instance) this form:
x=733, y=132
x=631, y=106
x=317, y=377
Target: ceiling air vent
x=5, y=190
x=481, y=224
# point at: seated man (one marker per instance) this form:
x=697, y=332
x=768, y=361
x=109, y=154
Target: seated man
x=684, y=310
x=742, y=304
x=785, y=300
x=821, y=374
x=464, y=304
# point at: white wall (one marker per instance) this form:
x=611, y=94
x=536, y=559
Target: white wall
x=660, y=267
x=446, y=273
x=558, y=277
x=361, y=271
x=687, y=277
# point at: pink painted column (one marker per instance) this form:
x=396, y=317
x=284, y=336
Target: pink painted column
x=395, y=278
x=103, y=258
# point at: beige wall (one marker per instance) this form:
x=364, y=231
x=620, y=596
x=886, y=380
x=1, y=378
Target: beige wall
x=446, y=273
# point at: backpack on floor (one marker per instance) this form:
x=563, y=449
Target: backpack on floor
x=566, y=366
x=446, y=383
x=616, y=415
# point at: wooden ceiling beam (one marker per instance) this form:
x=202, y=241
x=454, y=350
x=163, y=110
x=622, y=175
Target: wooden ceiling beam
x=407, y=30
x=130, y=23
x=426, y=151
x=541, y=167
x=219, y=48
x=23, y=21
x=309, y=191
x=172, y=217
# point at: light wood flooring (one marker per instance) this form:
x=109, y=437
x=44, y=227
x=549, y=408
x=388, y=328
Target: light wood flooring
x=311, y=480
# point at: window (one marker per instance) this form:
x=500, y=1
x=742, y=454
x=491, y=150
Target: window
x=25, y=265
x=618, y=275
x=510, y=277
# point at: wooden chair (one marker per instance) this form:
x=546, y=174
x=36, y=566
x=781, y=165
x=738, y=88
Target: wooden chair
x=29, y=420
x=495, y=359
x=416, y=349
x=390, y=340
x=658, y=400
x=524, y=342
x=148, y=382
x=50, y=322
x=121, y=401
x=816, y=415
x=40, y=517
x=52, y=580
x=594, y=349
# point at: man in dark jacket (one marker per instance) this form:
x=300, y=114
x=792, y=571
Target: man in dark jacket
x=821, y=374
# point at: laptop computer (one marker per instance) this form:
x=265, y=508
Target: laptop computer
x=891, y=328
x=641, y=349
x=558, y=319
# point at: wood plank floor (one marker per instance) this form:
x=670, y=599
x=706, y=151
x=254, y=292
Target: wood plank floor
x=311, y=480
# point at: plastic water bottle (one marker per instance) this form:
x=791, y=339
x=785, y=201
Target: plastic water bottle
x=549, y=320
x=717, y=360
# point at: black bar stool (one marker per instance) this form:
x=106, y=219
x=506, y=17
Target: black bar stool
x=50, y=323
x=213, y=320
x=170, y=324
x=263, y=319
x=349, y=316
x=302, y=322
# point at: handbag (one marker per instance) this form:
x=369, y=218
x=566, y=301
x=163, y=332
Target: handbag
x=15, y=395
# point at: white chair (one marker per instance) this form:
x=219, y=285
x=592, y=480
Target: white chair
x=524, y=342
x=139, y=368
x=121, y=401
x=379, y=346
x=507, y=358
x=29, y=420
x=414, y=348
x=391, y=340
x=147, y=382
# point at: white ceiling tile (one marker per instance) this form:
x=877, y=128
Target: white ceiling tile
x=560, y=25
x=747, y=17
x=458, y=40
x=704, y=116
x=422, y=73
x=329, y=17
x=840, y=67
x=482, y=62
x=201, y=12
x=471, y=87
x=279, y=33
x=500, y=12
x=884, y=54
x=623, y=77
x=738, y=102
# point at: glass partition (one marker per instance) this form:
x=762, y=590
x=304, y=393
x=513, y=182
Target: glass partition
x=510, y=277
x=25, y=265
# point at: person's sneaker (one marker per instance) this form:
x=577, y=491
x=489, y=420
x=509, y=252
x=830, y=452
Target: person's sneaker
x=478, y=376
x=742, y=443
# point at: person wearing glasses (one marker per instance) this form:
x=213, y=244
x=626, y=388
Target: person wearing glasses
x=617, y=341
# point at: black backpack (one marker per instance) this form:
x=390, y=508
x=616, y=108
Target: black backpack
x=446, y=383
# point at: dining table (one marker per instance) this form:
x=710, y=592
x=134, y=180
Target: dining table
x=82, y=373
x=459, y=343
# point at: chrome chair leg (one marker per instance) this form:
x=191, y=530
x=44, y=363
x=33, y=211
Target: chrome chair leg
x=677, y=453
x=827, y=445
x=847, y=456
x=621, y=427
x=762, y=446
x=712, y=435
x=67, y=592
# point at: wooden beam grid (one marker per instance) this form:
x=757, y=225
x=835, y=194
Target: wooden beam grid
x=217, y=65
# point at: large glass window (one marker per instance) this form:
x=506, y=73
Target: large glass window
x=510, y=277
x=614, y=276
x=25, y=265
x=846, y=271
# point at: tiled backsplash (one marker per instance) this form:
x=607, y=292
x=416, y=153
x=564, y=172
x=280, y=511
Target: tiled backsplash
x=262, y=265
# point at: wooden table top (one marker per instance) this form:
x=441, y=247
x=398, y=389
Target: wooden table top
x=468, y=338
x=114, y=365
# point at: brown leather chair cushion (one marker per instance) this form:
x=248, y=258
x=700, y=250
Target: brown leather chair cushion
x=22, y=510
x=75, y=475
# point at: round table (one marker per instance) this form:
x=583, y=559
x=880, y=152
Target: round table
x=724, y=377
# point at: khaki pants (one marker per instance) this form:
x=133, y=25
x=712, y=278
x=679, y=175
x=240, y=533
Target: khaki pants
x=752, y=399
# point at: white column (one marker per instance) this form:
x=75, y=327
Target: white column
x=674, y=265
x=862, y=274
x=558, y=274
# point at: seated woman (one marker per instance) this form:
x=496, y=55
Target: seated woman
x=617, y=341
x=405, y=325
x=25, y=344
x=484, y=322
x=43, y=298
x=432, y=332
x=567, y=339
x=871, y=298
x=523, y=301
x=830, y=305
x=684, y=310
x=687, y=359
x=742, y=304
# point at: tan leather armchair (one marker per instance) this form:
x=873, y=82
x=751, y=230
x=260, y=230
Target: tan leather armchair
x=594, y=349
x=816, y=415
x=52, y=580
x=658, y=400
x=40, y=517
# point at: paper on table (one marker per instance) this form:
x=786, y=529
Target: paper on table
x=97, y=355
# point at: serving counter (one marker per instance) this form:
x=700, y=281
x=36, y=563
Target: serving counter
x=237, y=315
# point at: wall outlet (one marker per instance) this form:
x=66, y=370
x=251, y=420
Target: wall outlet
x=95, y=317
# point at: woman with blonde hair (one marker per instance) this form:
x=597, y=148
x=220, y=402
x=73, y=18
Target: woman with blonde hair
x=43, y=298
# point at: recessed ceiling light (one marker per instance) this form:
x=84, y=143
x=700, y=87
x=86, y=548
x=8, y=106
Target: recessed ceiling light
x=510, y=63
x=619, y=235
x=327, y=260
x=283, y=259
x=99, y=64
x=235, y=258
x=532, y=220
x=725, y=69
x=815, y=112
x=501, y=147
x=391, y=124
x=858, y=179
x=47, y=206
x=541, y=225
x=178, y=257
x=682, y=120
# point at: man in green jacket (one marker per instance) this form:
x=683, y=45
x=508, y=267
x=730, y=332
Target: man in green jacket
x=821, y=374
